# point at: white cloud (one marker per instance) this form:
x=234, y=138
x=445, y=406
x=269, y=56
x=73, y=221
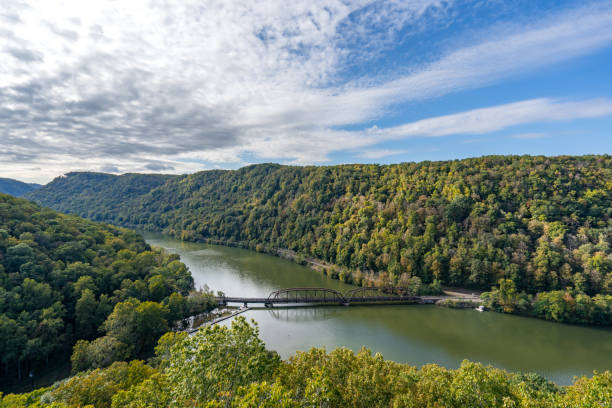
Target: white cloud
x=487, y=120
x=143, y=85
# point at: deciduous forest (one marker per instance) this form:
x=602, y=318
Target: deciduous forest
x=534, y=232
x=65, y=281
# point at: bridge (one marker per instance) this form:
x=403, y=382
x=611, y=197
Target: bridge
x=324, y=296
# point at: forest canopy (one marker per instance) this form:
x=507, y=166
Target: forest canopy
x=541, y=225
x=67, y=280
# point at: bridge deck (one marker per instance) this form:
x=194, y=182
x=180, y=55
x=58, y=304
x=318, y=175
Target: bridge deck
x=300, y=296
x=310, y=300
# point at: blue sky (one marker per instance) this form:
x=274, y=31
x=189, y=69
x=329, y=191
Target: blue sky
x=582, y=78
x=183, y=86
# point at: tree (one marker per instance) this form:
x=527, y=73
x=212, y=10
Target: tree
x=150, y=324
x=13, y=338
x=164, y=347
x=157, y=288
x=217, y=360
x=96, y=388
x=177, y=306
x=137, y=324
x=261, y=395
x=36, y=295
x=154, y=392
x=594, y=392
x=507, y=295
x=98, y=353
x=18, y=255
x=86, y=315
x=84, y=283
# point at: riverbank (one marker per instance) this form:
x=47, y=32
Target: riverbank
x=459, y=303
x=344, y=275
x=589, y=311
x=216, y=320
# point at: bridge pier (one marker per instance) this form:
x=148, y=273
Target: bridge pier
x=245, y=304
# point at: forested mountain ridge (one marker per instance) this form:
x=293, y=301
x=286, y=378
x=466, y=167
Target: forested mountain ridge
x=97, y=196
x=64, y=278
x=15, y=187
x=540, y=224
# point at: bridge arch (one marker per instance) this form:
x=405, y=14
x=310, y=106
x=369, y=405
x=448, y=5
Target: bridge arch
x=373, y=292
x=305, y=295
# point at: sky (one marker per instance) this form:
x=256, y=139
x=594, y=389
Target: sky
x=178, y=86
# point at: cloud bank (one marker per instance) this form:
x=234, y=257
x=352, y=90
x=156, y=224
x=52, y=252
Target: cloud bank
x=167, y=85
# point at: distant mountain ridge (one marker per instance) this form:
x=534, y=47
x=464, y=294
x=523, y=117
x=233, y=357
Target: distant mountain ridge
x=15, y=187
x=97, y=196
x=537, y=223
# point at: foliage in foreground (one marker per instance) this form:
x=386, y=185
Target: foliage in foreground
x=542, y=222
x=230, y=367
x=66, y=280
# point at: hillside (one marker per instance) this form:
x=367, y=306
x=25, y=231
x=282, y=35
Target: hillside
x=63, y=279
x=15, y=187
x=541, y=224
x=97, y=196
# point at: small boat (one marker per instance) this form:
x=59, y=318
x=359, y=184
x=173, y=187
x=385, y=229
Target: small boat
x=480, y=308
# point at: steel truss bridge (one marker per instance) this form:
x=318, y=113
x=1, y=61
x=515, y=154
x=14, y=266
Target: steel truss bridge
x=324, y=296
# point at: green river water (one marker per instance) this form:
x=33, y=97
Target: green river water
x=413, y=334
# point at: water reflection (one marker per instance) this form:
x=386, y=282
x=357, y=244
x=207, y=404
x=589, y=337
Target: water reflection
x=302, y=314
x=413, y=334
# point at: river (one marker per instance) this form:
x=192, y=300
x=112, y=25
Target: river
x=413, y=334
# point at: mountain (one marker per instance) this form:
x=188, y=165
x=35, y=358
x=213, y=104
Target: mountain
x=97, y=196
x=541, y=223
x=15, y=187
x=61, y=278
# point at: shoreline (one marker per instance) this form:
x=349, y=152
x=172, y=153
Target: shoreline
x=192, y=330
x=457, y=295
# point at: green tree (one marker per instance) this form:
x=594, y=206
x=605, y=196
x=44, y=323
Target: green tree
x=86, y=315
x=98, y=353
x=154, y=392
x=137, y=324
x=217, y=360
x=97, y=387
x=18, y=255
x=158, y=289
x=13, y=338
